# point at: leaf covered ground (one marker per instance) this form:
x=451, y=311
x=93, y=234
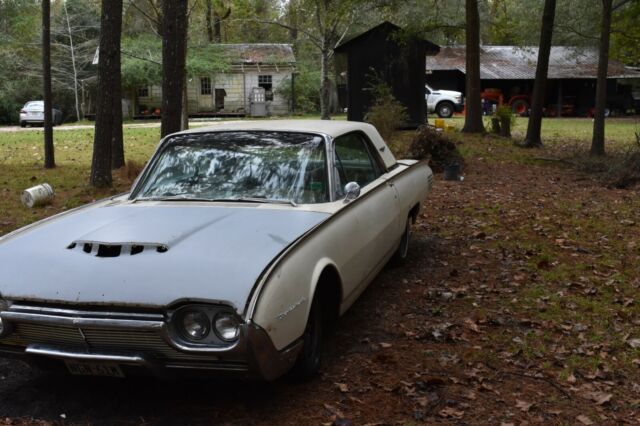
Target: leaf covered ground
x=519, y=304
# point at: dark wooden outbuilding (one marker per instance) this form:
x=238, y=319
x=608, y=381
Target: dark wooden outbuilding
x=395, y=56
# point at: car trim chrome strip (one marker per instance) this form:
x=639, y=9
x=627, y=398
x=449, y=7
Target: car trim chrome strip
x=30, y=309
x=50, y=351
x=80, y=322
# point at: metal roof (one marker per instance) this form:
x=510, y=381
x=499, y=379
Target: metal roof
x=258, y=53
x=519, y=63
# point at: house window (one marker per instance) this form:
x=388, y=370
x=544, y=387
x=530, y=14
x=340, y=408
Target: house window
x=143, y=92
x=266, y=82
x=205, y=86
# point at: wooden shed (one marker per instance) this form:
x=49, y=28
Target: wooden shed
x=398, y=58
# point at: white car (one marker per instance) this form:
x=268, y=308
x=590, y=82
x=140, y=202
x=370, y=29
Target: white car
x=33, y=113
x=443, y=102
x=236, y=245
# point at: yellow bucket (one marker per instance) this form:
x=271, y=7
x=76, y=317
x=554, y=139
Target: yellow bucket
x=439, y=123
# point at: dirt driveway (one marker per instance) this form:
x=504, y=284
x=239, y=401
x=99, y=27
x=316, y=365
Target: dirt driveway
x=505, y=313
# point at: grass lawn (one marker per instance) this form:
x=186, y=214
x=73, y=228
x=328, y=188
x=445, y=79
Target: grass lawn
x=619, y=132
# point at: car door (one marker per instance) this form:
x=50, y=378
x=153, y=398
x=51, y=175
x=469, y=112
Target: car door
x=372, y=217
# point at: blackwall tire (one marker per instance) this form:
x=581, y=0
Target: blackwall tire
x=402, y=251
x=445, y=110
x=310, y=357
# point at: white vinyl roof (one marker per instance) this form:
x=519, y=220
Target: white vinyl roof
x=331, y=128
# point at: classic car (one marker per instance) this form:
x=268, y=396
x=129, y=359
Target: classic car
x=235, y=248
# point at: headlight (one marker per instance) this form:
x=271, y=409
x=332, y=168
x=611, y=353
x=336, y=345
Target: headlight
x=226, y=326
x=195, y=324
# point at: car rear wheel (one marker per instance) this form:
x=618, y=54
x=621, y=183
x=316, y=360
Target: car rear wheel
x=520, y=107
x=403, y=249
x=445, y=109
x=310, y=357
x=23, y=124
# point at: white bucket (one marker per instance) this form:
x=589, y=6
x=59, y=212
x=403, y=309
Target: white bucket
x=37, y=195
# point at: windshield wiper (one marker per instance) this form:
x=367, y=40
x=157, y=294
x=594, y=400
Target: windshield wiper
x=173, y=198
x=267, y=200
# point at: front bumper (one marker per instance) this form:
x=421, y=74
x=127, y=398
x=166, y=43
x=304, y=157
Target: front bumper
x=459, y=107
x=139, y=343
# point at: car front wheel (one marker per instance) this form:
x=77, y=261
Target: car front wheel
x=309, y=359
x=445, y=109
x=23, y=124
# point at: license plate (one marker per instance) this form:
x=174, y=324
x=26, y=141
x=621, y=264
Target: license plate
x=93, y=369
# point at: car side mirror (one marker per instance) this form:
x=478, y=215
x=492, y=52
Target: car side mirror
x=351, y=191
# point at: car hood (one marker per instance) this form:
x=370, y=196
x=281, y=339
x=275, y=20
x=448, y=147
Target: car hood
x=198, y=252
x=447, y=93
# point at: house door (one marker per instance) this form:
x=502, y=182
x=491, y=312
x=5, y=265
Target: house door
x=205, y=100
x=220, y=95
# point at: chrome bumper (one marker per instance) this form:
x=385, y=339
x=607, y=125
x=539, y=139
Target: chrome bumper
x=138, y=340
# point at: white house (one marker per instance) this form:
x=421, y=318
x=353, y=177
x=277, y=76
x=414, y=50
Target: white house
x=228, y=94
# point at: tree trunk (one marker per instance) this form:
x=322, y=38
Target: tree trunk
x=174, y=53
x=325, y=86
x=473, y=119
x=208, y=17
x=597, y=143
x=184, y=121
x=534, y=127
x=49, y=156
x=108, y=116
x=217, y=28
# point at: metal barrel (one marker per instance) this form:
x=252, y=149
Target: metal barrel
x=37, y=195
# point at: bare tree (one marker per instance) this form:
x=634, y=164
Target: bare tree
x=533, y=138
x=49, y=155
x=174, y=55
x=109, y=104
x=214, y=15
x=473, y=120
x=597, y=142
x=72, y=52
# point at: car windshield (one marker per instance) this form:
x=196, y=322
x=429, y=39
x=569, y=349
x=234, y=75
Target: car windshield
x=244, y=166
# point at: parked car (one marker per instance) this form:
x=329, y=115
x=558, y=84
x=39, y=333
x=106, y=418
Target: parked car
x=33, y=113
x=234, y=249
x=443, y=102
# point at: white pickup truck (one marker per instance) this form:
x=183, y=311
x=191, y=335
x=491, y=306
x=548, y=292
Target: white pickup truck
x=443, y=102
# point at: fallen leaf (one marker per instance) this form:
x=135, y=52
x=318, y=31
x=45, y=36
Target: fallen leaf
x=584, y=420
x=343, y=387
x=450, y=412
x=634, y=343
x=385, y=345
x=524, y=406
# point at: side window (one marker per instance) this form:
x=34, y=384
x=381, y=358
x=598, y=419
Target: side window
x=266, y=82
x=353, y=162
x=205, y=86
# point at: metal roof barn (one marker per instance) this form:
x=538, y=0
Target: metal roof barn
x=519, y=63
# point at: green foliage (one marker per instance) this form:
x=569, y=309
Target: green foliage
x=207, y=60
x=8, y=110
x=306, y=88
x=141, y=61
x=387, y=114
x=626, y=33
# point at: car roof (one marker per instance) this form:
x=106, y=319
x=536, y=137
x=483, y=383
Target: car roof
x=332, y=128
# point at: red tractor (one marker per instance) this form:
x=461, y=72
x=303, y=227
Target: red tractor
x=519, y=103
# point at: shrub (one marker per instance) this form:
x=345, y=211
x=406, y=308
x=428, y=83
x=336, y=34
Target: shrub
x=434, y=146
x=626, y=172
x=387, y=114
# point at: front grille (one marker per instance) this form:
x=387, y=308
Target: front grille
x=98, y=339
